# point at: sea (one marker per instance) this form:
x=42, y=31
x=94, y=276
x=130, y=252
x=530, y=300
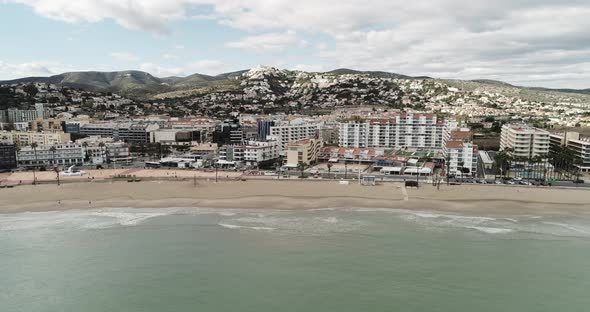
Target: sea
x=200, y=259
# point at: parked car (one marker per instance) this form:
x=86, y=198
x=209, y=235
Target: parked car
x=578, y=181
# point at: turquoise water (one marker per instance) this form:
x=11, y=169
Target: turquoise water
x=318, y=260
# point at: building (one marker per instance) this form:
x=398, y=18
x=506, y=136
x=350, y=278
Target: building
x=7, y=156
x=67, y=154
x=14, y=115
x=578, y=145
x=304, y=151
x=129, y=132
x=403, y=130
x=28, y=138
x=98, y=151
x=462, y=158
x=288, y=132
x=251, y=154
x=329, y=133
x=523, y=141
x=229, y=132
x=47, y=125
x=264, y=129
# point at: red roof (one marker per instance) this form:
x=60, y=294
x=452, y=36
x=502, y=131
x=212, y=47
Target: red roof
x=461, y=135
x=356, y=151
x=455, y=144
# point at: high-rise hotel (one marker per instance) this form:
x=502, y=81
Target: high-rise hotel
x=403, y=130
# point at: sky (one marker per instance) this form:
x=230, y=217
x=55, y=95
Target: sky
x=543, y=43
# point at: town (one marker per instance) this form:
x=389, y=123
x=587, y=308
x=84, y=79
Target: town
x=432, y=131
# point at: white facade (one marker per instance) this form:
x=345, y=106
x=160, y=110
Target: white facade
x=461, y=155
x=286, y=133
x=65, y=155
x=252, y=153
x=405, y=130
x=27, y=138
x=523, y=141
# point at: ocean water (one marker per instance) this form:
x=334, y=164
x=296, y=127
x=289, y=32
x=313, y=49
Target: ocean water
x=315, y=260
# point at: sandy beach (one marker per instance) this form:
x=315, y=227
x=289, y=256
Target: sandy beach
x=468, y=199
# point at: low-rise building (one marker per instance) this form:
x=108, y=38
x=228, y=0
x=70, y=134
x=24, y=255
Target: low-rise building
x=21, y=138
x=251, y=154
x=67, y=154
x=130, y=132
x=98, y=151
x=304, y=151
x=7, y=156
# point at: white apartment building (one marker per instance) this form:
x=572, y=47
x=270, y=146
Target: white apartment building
x=99, y=150
x=460, y=155
x=284, y=133
x=250, y=154
x=579, y=145
x=404, y=130
x=524, y=141
x=27, y=138
x=67, y=154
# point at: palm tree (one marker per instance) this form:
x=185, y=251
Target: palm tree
x=86, y=155
x=53, y=150
x=301, y=166
x=34, y=147
x=101, y=145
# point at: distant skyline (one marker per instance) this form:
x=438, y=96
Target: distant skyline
x=523, y=42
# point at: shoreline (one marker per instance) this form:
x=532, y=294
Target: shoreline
x=293, y=195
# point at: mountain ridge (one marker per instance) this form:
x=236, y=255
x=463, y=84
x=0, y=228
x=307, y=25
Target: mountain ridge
x=139, y=83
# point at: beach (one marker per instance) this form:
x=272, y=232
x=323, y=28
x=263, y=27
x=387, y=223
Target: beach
x=279, y=194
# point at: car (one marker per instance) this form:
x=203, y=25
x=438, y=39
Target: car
x=498, y=182
x=578, y=181
x=510, y=182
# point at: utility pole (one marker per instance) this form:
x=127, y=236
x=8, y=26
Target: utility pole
x=345, y=170
x=216, y=169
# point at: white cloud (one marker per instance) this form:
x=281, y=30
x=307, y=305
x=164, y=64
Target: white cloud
x=201, y=67
x=124, y=56
x=269, y=42
x=38, y=68
x=168, y=56
x=526, y=41
x=162, y=71
x=207, y=67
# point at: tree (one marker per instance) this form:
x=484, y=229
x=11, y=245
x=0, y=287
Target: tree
x=34, y=147
x=53, y=150
x=301, y=166
x=31, y=90
x=101, y=145
x=329, y=170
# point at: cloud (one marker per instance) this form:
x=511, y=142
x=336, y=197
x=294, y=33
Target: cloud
x=269, y=42
x=524, y=41
x=124, y=56
x=168, y=56
x=38, y=68
x=162, y=71
x=207, y=67
x=201, y=67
